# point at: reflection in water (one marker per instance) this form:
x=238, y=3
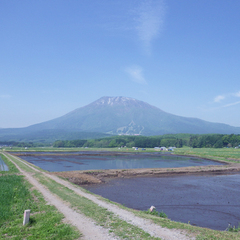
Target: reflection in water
x=131, y=161
x=205, y=201
x=3, y=166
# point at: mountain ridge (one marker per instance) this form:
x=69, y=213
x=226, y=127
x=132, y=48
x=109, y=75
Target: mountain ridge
x=126, y=116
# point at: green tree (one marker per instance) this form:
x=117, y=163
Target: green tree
x=113, y=143
x=219, y=144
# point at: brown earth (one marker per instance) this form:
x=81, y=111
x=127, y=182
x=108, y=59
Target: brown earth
x=101, y=176
x=87, y=227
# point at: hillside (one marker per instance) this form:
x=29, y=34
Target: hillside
x=119, y=115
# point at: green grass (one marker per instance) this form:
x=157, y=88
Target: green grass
x=11, y=167
x=125, y=230
x=200, y=233
x=100, y=215
x=75, y=149
x=45, y=221
x=15, y=197
x=156, y=213
x=43, y=149
x=214, y=153
x=21, y=164
x=233, y=228
x=221, y=154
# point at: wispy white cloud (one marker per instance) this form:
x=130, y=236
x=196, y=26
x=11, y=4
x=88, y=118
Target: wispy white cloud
x=227, y=97
x=222, y=97
x=136, y=74
x=219, y=98
x=231, y=104
x=5, y=96
x=149, y=18
x=142, y=17
x=237, y=94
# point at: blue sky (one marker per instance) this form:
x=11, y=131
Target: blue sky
x=181, y=56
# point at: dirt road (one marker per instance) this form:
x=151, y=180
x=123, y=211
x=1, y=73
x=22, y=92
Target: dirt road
x=87, y=226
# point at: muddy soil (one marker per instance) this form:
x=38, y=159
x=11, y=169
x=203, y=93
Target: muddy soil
x=87, y=226
x=101, y=176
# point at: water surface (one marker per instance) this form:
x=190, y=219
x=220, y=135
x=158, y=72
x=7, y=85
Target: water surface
x=206, y=201
x=93, y=161
x=3, y=166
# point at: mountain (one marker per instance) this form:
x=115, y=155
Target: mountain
x=121, y=115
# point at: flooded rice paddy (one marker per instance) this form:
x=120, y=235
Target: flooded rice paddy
x=94, y=161
x=3, y=166
x=211, y=201
x=205, y=201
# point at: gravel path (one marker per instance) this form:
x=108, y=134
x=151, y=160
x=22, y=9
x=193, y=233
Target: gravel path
x=86, y=226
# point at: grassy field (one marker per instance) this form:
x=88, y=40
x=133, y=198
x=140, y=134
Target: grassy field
x=11, y=220
x=11, y=167
x=224, y=154
x=15, y=197
x=53, y=149
x=100, y=215
x=122, y=229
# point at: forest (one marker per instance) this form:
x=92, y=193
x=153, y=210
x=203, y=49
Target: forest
x=169, y=140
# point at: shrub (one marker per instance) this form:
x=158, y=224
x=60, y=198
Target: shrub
x=233, y=229
x=156, y=213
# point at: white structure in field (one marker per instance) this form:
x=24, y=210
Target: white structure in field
x=26, y=217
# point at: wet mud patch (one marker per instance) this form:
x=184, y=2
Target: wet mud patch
x=102, y=176
x=210, y=201
x=78, y=177
x=98, y=161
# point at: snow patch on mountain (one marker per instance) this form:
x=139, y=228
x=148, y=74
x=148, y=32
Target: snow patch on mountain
x=114, y=100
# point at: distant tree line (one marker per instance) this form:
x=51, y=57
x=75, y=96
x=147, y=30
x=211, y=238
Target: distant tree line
x=122, y=141
x=23, y=144
x=214, y=140
x=170, y=140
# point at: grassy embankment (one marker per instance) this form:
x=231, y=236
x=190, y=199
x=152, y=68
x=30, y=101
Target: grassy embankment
x=16, y=196
x=223, y=153
x=122, y=229
x=220, y=154
x=230, y=155
x=99, y=214
x=75, y=149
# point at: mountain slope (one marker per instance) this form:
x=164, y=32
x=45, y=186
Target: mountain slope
x=115, y=115
x=121, y=115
